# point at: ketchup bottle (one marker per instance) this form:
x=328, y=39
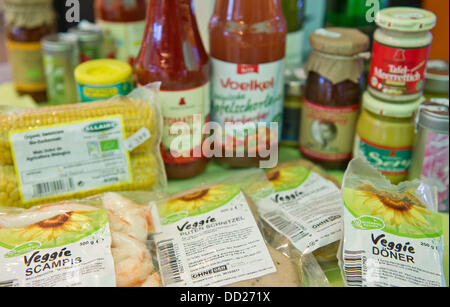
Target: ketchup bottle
x=172, y=52
x=247, y=48
x=123, y=22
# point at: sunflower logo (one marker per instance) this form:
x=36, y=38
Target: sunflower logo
x=53, y=228
x=282, y=179
x=201, y=201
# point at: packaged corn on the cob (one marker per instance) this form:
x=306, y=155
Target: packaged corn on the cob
x=63, y=152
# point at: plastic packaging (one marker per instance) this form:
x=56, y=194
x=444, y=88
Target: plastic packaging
x=74, y=151
x=392, y=235
x=302, y=218
x=100, y=241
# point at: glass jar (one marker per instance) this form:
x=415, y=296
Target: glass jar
x=293, y=101
x=332, y=96
x=400, y=53
x=27, y=22
x=437, y=80
x=385, y=136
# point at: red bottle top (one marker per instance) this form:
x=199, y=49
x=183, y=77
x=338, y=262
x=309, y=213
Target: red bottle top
x=120, y=10
x=172, y=52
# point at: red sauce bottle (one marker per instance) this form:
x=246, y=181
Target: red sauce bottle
x=172, y=52
x=247, y=46
x=123, y=22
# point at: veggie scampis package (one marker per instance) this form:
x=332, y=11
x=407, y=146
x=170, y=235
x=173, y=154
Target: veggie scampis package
x=302, y=218
x=209, y=236
x=63, y=152
x=393, y=236
x=101, y=241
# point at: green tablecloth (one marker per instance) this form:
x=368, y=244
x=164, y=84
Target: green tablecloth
x=215, y=172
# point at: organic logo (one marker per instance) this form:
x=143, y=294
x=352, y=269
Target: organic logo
x=368, y=223
x=100, y=126
x=174, y=217
x=23, y=249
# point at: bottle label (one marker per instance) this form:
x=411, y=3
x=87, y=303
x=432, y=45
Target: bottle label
x=27, y=66
x=90, y=93
x=247, y=95
x=327, y=132
x=396, y=71
x=50, y=162
x=184, y=115
x=294, y=49
x=123, y=39
x=61, y=85
x=388, y=160
x=210, y=239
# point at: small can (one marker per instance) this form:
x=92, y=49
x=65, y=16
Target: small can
x=103, y=79
x=61, y=56
x=293, y=101
x=437, y=79
x=90, y=43
x=431, y=153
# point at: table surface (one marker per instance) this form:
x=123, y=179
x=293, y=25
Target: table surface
x=216, y=172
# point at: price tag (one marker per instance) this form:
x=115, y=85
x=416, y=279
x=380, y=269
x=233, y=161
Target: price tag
x=137, y=139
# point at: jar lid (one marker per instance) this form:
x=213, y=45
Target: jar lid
x=408, y=19
x=86, y=36
x=294, y=86
x=434, y=115
x=437, y=77
x=103, y=72
x=61, y=42
x=391, y=109
x=339, y=41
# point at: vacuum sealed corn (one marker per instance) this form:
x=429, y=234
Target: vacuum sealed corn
x=393, y=236
x=210, y=237
x=73, y=151
x=100, y=241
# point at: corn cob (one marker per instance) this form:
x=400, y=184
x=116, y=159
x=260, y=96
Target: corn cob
x=136, y=115
x=145, y=173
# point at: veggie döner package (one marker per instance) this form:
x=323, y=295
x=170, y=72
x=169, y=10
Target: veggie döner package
x=64, y=152
x=96, y=242
x=393, y=236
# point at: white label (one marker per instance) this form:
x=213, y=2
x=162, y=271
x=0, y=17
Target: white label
x=87, y=262
x=214, y=249
x=309, y=215
x=243, y=94
x=294, y=49
x=137, y=139
x=65, y=159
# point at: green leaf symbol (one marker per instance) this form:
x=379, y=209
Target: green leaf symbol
x=23, y=249
x=368, y=223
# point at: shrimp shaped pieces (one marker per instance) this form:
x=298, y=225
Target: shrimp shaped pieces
x=126, y=216
x=132, y=260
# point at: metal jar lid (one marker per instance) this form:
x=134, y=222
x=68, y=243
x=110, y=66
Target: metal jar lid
x=434, y=115
x=60, y=43
x=87, y=35
x=437, y=77
x=294, y=86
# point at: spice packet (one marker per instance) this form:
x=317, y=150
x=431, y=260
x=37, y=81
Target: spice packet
x=96, y=242
x=55, y=153
x=302, y=218
x=210, y=237
x=393, y=236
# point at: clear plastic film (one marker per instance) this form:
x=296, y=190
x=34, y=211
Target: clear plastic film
x=63, y=152
x=101, y=241
x=392, y=234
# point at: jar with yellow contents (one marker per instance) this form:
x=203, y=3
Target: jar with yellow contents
x=385, y=136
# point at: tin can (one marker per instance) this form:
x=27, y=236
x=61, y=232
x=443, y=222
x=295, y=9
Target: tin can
x=61, y=56
x=293, y=101
x=431, y=154
x=90, y=43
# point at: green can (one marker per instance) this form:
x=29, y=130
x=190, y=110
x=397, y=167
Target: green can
x=90, y=43
x=61, y=56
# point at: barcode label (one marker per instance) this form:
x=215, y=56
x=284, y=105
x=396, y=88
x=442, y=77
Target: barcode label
x=286, y=227
x=9, y=283
x=53, y=187
x=169, y=262
x=353, y=268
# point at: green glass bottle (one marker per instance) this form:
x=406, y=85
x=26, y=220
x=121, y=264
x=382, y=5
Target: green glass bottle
x=294, y=11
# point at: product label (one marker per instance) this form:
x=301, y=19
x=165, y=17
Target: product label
x=396, y=71
x=389, y=242
x=27, y=66
x=89, y=93
x=210, y=239
x=306, y=208
x=246, y=95
x=435, y=168
x=388, y=160
x=184, y=114
x=65, y=159
x=327, y=132
x=69, y=250
x=61, y=85
x=123, y=39
x=294, y=49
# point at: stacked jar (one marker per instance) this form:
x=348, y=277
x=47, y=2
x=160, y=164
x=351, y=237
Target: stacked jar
x=385, y=130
